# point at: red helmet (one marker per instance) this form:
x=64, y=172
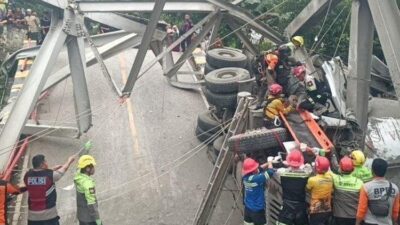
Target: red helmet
x=346, y=165
x=298, y=70
x=275, y=89
x=249, y=166
x=322, y=164
x=295, y=159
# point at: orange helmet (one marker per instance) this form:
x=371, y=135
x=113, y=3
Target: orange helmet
x=249, y=166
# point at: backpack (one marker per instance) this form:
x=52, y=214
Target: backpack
x=381, y=207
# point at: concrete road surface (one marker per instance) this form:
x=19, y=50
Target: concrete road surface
x=151, y=168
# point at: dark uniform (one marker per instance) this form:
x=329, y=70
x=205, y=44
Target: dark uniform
x=42, y=196
x=293, y=182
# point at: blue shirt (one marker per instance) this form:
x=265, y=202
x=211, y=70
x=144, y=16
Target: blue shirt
x=254, y=185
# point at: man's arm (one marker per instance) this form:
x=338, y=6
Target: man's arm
x=60, y=170
x=11, y=189
x=362, y=206
x=395, y=210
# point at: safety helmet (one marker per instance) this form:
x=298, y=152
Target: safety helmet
x=298, y=40
x=284, y=51
x=275, y=89
x=295, y=159
x=346, y=165
x=322, y=164
x=298, y=70
x=85, y=161
x=358, y=158
x=249, y=166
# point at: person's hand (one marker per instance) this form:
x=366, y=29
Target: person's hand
x=98, y=222
x=293, y=99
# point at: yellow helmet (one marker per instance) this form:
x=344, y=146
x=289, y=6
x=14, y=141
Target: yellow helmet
x=357, y=157
x=85, y=161
x=298, y=40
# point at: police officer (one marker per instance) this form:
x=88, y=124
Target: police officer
x=42, y=195
x=346, y=193
x=87, y=207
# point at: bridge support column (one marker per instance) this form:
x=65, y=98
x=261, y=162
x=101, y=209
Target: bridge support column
x=360, y=55
x=386, y=16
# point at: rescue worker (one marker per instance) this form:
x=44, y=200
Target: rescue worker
x=346, y=193
x=273, y=68
x=6, y=189
x=255, y=178
x=275, y=104
x=293, y=181
x=379, y=198
x=278, y=65
x=295, y=43
x=42, y=195
x=320, y=187
x=316, y=91
x=86, y=201
x=360, y=171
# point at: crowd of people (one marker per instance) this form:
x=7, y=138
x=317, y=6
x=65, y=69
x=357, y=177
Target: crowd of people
x=36, y=27
x=42, y=196
x=354, y=195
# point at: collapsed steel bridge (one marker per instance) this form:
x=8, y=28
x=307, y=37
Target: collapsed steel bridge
x=68, y=29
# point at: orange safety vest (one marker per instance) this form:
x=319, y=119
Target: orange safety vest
x=5, y=188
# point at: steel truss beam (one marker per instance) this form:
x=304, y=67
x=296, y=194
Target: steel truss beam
x=111, y=19
x=214, y=32
x=123, y=6
x=123, y=23
x=386, y=16
x=360, y=55
x=144, y=46
x=106, y=51
x=31, y=128
x=245, y=40
x=81, y=94
x=312, y=13
x=247, y=18
x=26, y=101
x=192, y=46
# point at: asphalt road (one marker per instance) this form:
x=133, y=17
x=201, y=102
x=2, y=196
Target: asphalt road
x=149, y=170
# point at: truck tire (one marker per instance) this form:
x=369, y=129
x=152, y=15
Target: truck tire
x=208, y=69
x=225, y=80
x=258, y=139
x=222, y=57
x=204, y=136
x=208, y=123
x=228, y=101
